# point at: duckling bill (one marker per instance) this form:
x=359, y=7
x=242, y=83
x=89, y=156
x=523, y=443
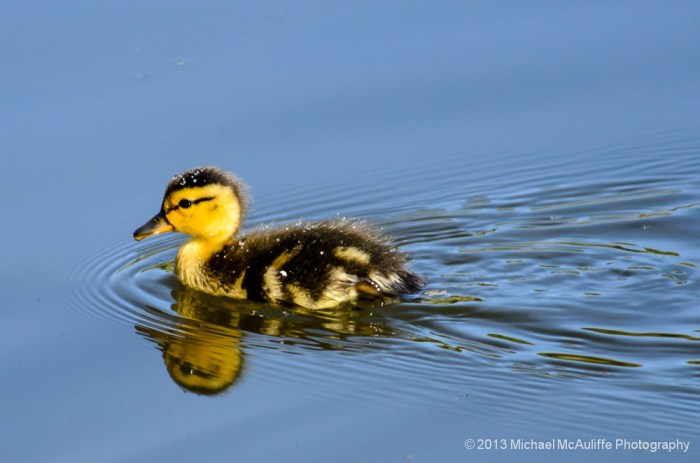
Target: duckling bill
x=313, y=265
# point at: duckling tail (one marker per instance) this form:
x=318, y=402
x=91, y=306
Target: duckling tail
x=395, y=284
x=410, y=283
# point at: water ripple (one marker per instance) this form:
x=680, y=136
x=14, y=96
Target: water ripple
x=555, y=278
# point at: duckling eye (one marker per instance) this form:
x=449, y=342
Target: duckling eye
x=184, y=203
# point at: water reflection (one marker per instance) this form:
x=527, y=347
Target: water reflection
x=584, y=282
x=203, y=349
x=199, y=359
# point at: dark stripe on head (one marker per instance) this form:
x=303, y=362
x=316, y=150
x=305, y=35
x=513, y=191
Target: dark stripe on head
x=201, y=176
x=196, y=201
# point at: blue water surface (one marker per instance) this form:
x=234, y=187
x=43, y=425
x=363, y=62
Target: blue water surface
x=539, y=161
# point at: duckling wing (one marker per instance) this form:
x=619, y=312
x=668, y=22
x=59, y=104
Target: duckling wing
x=321, y=264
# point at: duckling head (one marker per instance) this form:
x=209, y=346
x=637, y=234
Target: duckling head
x=204, y=202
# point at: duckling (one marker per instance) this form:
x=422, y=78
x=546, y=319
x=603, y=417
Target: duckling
x=314, y=265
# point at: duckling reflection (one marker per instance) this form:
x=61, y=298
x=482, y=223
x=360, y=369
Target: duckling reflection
x=199, y=358
x=202, y=345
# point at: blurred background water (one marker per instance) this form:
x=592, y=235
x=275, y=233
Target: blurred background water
x=540, y=162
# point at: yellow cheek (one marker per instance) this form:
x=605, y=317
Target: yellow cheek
x=178, y=220
x=216, y=218
x=202, y=223
x=200, y=220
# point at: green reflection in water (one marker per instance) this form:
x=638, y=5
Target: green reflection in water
x=509, y=338
x=589, y=359
x=168, y=266
x=643, y=334
x=151, y=251
x=568, y=246
x=452, y=299
x=618, y=196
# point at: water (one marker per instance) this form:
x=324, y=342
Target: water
x=538, y=161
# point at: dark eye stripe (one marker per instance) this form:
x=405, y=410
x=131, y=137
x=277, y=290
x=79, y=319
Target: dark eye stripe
x=201, y=200
x=185, y=203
